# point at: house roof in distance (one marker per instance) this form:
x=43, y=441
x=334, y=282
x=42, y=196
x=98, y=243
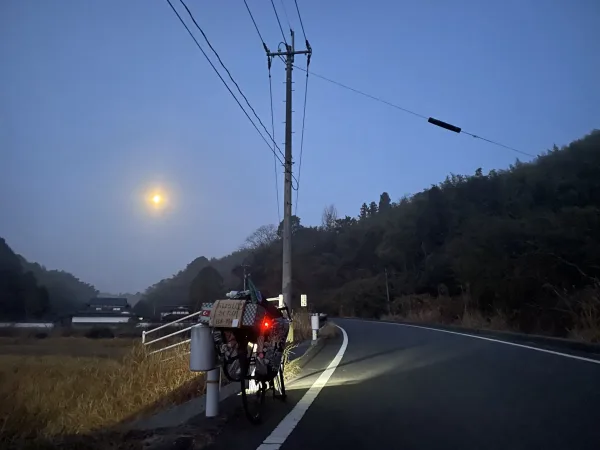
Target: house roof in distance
x=108, y=301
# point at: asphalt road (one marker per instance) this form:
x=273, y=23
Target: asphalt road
x=412, y=388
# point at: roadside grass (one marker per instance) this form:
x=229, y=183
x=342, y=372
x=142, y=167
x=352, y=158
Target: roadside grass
x=301, y=326
x=582, y=309
x=300, y=330
x=67, y=346
x=425, y=309
x=50, y=398
x=585, y=309
x=290, y=368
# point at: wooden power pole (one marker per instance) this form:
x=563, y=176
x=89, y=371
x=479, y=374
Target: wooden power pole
x=286, y=278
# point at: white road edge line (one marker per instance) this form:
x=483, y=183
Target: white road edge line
x=276, y=439
x=537, y=349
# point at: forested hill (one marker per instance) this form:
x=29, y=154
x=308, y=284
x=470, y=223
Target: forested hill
x=30, y=291
x=175, y=290
x=522, y=243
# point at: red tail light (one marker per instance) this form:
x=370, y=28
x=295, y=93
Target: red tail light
x=266, y=323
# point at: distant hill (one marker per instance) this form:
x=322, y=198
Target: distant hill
x=21, y=296
x=66, y=292
x=29, y=290
x=175, y=290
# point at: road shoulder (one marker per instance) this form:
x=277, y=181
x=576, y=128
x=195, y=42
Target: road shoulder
x=238, y=433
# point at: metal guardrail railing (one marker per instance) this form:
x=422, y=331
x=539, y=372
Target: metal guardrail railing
x=203, y=318
x=175, y=333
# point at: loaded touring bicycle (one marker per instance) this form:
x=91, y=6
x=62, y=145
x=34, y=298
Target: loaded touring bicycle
x=250, y=335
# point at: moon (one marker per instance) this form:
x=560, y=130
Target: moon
x=157, y=199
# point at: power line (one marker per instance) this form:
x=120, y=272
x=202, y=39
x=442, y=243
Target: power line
x=364, y=93
x=300, y=17
x=221, y=78
x=301, y=142
x=498, y=144
x=256, y=26
x=279, y=22
x=286, y=14
x=431, y=120
x=273, y=130
x=272, y=116
x=230, y=76
x=270, y=87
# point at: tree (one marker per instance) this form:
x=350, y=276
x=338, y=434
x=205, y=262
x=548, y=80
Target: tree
x=66, y=293
x=364, y=211
x=206, y=287
x=385, y=202
x=372, y=209
x=36, y=302
x=295, y=226
x=263, y=236
x=329, y=218
x=344, y=223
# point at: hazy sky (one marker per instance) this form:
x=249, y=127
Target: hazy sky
x=102, y=100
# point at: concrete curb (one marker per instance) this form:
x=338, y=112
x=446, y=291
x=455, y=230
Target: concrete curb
x=507, y=336
x=180, y=414
x=313, y=346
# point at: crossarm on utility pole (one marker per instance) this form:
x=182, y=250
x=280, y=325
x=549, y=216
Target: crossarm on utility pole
x=299, y=52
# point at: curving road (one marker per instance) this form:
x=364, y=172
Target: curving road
x=394, y=386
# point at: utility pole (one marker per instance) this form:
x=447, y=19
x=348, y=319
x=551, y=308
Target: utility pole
x=245, y=274
x=286, y=276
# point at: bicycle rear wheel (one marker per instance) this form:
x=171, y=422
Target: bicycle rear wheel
x=253, y=391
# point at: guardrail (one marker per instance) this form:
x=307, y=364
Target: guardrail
x=175, y=333
x=202, y=318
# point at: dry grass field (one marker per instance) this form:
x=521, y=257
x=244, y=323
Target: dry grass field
x=55, y=388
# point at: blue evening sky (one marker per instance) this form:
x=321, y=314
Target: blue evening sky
x=101, y=101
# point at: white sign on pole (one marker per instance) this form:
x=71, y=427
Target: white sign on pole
x=303, y=301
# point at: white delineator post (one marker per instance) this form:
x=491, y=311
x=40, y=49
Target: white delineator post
x=213, y=388
x=314, y=322
x=202, y=359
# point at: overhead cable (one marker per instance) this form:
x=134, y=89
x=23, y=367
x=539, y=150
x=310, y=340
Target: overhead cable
x=279, y=22
x=230, y=76
x=431, y=120
x=222, y=79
